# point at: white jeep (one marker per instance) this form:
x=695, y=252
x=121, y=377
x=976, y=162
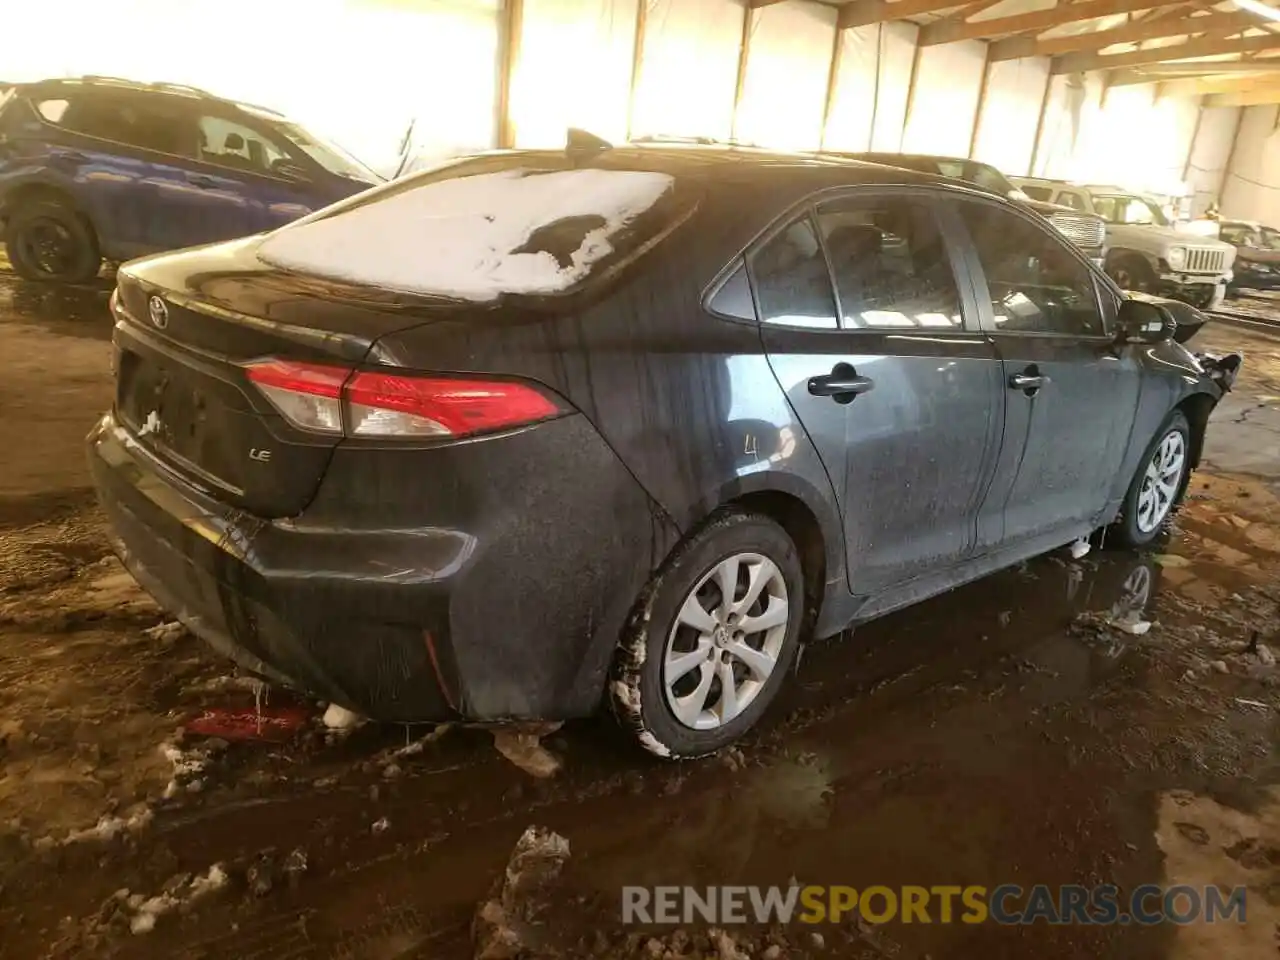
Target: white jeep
x=1143, y=251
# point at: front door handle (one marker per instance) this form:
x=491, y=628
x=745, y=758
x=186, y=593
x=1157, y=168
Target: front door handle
x=842, y=384
x=70, y=156
x=204, y=183
x=1029, y=381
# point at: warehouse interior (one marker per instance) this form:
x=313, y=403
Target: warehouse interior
x=1016, y=764
x=1167, y=98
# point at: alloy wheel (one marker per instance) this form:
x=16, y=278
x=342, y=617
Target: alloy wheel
x=1160, y=482
x=725, y=642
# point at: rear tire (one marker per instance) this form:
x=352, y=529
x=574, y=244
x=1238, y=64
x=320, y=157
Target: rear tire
x=49, y=241
x=1158, y=485
x=685, y=647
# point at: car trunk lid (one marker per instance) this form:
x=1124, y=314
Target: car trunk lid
x=187, y=327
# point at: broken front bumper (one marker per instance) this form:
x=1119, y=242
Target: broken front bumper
x=1207, y=293
x=1222, y=370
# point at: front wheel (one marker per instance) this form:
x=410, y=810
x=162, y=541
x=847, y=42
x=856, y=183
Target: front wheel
x=1133, y=273
x=1154, y=491
x=712, y=639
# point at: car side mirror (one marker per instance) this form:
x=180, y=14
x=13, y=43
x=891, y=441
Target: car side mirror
x=1140, y=321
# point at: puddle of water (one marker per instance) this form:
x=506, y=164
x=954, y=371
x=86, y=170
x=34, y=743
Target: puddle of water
x=940, y=745
x=73, y=311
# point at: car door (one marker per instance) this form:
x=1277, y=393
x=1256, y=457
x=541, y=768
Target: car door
x=899, y=393
x=1070, y=396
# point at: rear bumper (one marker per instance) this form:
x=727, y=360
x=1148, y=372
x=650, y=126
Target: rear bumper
x=510, y=611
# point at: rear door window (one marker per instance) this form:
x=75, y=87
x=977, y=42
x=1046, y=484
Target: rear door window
x=135, y=121
x=891, y=266
x=793, y=284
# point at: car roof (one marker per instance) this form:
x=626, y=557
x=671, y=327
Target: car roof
x=718, y=162
x=95, y=82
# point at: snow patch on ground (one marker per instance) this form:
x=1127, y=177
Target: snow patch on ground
x=463, y=238
x=109, y=826
x=340, y=718
x=149, y=909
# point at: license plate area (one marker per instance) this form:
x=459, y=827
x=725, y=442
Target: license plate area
x=167, y=408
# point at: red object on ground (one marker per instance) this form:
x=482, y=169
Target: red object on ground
x=268, y=723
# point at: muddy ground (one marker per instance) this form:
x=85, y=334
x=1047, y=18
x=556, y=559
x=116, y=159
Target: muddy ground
x=1003, y=733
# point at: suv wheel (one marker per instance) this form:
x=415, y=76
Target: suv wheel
x=1155, y=490
x=47, y=240
x=1133, y=273
x=714, y=635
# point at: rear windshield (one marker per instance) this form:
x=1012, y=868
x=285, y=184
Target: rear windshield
x=481, y=229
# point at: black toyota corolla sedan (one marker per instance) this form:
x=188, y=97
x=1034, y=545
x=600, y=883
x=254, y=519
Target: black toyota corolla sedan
x=539, y=430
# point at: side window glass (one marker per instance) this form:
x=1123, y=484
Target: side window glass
x=891, y=265
x=126, y=121
x=231, y=144
x=733, y=299
x=1036, y=284
x=52, y=110
x=793, y=286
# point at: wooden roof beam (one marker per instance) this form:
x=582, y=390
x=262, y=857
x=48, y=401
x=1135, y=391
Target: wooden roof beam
x=860, y=13
x=1245, y=98
x=1136, y=32
x=1089, y=62
x=1039, y=20
x=1205, y=86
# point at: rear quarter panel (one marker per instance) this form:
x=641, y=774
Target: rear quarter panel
x=687, y=400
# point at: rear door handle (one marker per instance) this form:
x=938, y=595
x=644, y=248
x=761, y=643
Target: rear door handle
x=70, y=156
x=842, y=384
x=204, y=183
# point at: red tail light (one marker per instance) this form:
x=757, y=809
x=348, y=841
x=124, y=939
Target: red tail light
x=338, y=401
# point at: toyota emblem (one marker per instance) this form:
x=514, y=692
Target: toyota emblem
x=159, y=312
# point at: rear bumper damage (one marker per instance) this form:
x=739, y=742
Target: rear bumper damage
x=489, y=617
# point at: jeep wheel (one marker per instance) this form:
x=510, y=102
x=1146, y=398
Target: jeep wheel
x=1132, y=273
x=48, y=241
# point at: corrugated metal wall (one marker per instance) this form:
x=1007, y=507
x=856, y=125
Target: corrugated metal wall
x=361, y=70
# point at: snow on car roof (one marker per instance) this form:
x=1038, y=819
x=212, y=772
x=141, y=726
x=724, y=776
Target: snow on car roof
x=469, y=238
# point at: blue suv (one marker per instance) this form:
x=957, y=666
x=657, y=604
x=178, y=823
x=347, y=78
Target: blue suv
x=98, y=168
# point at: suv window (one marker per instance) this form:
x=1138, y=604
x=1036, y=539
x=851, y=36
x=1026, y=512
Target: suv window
x=131, y=121
x=1239, y=236
x=984, y=175
x=793, y=285
x=1131, y=210
x=890, y=264
x=52, y=110
x=1038, y=193
x=1067, y=199
x=231, y=144
x=1036, y=284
